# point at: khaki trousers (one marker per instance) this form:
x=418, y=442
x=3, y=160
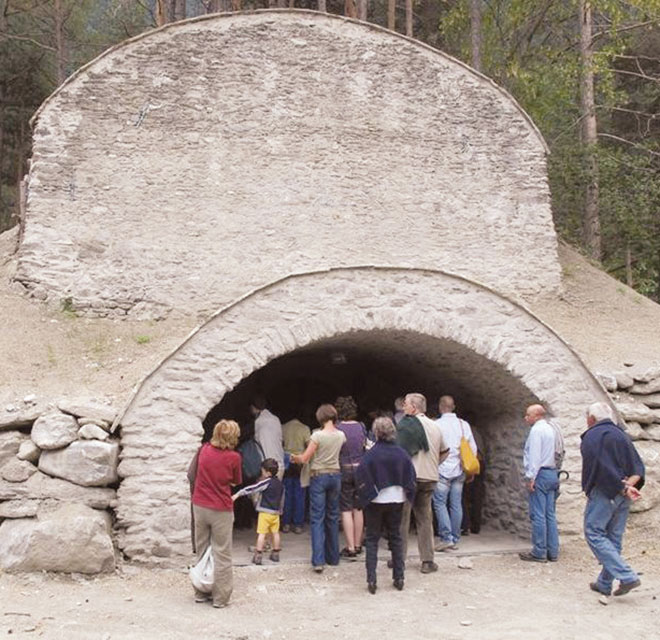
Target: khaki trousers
x=424, y=519
x=215, y=528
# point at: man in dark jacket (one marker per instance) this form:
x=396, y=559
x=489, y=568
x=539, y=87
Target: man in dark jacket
x=612, y=474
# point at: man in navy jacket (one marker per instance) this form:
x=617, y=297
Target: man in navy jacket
x=612, y=473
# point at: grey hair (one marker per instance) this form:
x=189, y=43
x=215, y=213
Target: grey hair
x=600, y=411
x=418, y=401
x=384, y=429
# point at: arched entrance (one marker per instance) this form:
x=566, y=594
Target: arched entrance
x=395, y=329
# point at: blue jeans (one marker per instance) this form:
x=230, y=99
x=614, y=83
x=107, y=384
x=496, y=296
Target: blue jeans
x=545, y=535
x=294, y=502
x=449, y=518
x=324, y=518
x=604, y=524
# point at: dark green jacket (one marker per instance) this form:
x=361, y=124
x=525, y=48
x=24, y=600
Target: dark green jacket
x=410, y=435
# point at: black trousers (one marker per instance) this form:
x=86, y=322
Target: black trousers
x=378, y=518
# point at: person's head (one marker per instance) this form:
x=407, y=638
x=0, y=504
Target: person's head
x=257, y=404
x=384, y=429
x=398, y=403
x=597, y=412
x=226, y=434
x=446, y=404
x=269, y=467
x=534, y=413
x=326, y=413
x=414, y=403
x=346, y=408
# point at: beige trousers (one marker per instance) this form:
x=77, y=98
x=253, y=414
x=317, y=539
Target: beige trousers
x=423, y=517
x=215, y=528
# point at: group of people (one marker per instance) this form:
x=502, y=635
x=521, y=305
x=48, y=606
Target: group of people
x=407, y=464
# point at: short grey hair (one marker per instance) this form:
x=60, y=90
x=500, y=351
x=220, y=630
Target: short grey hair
x=418, y=401
x=384, y=429
x=600, y=411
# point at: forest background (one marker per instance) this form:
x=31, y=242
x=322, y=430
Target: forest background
x=587, y=72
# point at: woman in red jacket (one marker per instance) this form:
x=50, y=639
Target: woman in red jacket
x=218, y=469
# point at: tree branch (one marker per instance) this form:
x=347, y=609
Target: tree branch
x=10, y=36
x=628, y=142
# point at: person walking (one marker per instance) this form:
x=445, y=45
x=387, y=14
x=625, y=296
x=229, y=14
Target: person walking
x=612, y=474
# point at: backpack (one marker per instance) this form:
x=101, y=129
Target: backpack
x=252, y=455
x=560, y=452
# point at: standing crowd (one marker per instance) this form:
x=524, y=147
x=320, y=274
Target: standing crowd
x=407, y=464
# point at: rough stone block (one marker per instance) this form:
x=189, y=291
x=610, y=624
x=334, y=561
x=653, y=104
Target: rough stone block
x=608, y=381
x=19, y=508
x=635, y=412
x=23, y=416
x=90, y=463
x=82, y=408
x=623, y=380
x=92, y=431
x=71, y=538
x=15, y=470
x=54, y=430
x=10, y=444
x=28, y=451
x=646, y=388
x=652, y=400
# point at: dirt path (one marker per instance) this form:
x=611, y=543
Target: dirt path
x=499, y=598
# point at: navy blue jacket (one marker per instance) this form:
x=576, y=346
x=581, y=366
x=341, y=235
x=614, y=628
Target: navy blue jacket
x=385, y=465
x=608, y=456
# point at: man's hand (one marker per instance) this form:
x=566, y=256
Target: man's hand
x=234, y=497
x=530, y=484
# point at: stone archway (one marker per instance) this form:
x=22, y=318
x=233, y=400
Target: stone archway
x=495, y=350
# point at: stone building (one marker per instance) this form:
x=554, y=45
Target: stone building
x=345, y=210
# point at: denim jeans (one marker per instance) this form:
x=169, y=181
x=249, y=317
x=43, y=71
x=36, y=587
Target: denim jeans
x=545, y=535
x=448, y=507
x=294, y=502
x=324, y=518
x=604, y=524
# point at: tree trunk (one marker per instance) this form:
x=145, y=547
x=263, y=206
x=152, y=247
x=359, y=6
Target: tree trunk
x=409, y=18
x=363, y=8
x=179, y=12
x=629, y=273
x=161, y=12
x=591, y=217
x=60, y=54
x=350, y=10
x=391, y=15
x=322, y=6
x=475, y=32
x=237, y=5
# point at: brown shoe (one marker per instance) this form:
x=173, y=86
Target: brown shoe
x=257, y=557
x=429, y=567
x=624, y=587
x=275, y=555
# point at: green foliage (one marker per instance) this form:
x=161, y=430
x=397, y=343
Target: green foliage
x=142, y=339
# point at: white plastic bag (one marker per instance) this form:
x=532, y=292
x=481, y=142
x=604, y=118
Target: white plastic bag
x=201, y=574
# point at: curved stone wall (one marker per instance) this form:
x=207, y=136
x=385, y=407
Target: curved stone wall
x=488, y=348
x=207, y=158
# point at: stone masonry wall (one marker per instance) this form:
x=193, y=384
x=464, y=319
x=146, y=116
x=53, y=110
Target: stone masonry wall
x=153, y=510
x=58, y=473
x=191, y=165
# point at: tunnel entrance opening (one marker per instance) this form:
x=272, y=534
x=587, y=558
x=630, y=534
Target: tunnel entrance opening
x=377, y=366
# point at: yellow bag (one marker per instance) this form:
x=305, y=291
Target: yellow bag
x=469, y=461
